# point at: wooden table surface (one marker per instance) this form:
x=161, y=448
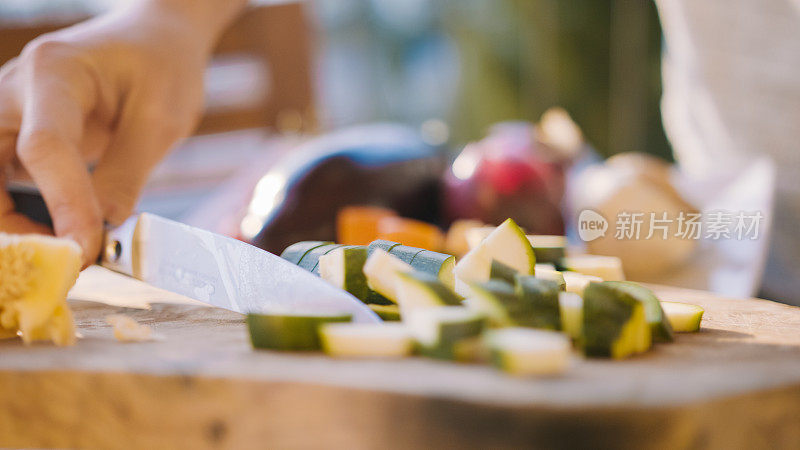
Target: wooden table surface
x=734, y=384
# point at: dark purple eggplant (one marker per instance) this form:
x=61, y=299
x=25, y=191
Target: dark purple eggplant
x=382, y=165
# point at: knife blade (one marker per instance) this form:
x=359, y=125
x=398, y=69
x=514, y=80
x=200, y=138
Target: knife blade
x=220, y=271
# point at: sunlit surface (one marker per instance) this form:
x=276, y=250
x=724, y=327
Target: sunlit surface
x=267, y=194
x=465, y=164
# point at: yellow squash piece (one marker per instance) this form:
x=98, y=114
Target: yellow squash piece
x=127, y=329
x=36, y=272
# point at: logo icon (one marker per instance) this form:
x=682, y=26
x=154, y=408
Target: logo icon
x=591, y=225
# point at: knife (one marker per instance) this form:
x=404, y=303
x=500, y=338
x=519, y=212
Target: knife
x=220, y=271
x=207, y=267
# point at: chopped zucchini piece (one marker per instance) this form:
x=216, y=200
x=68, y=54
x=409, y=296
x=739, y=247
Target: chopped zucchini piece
x=405, y=253
x=311, y=259
x=609, y=268
x=421, y=290
x=388, y=313
x=524, y=351
x=469, y=349
x=548, y=248
x=509, y=245
x=438, y=264
x=576, y=282
x=446, y=332
x=538, y=300
x=659, y=324
x=543, y=266
x=506, y=244
x=474, y=267
x=344, y=268
x=683, y=317
x=554, y=276
x=366, y=340
x=382, y=244
x=571, y=307
x=614, y=323
x=382, y=271
x=289, y=331
x=295, y=252
x=531, y=302
x=493, y=299
x=375, y=298
x=500, y=271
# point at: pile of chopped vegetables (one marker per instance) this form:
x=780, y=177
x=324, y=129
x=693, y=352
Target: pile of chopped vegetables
x=495, y=305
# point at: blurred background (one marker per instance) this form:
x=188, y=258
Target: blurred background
x=490, y=109
x=478, y=62
x=470, y=63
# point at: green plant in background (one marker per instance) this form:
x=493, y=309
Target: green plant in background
x=599, y=59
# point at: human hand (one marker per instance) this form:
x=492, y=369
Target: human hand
x=115, y=92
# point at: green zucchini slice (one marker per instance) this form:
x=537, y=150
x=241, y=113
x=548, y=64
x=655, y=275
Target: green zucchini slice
x=366, y=340
x=382, y=271
x=295, y=252
x=388, y=313
x=292, y=332
x=421, y=290
x=344, y=268
x=683, y=317
x=614, y=323
x=659, y=324
x=446, y=332
x=529, y=352
x=539, y=307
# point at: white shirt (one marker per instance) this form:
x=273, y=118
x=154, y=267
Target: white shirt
x=731, y=72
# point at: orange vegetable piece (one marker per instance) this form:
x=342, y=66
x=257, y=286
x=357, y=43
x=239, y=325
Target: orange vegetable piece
x=358, y=225
x=410, y=232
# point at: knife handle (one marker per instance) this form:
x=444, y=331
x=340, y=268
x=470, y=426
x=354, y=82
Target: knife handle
x=117, y=251
x=28, y=201
x=118, y=247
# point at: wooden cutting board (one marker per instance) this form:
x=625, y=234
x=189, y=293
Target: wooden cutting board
x=734, y=384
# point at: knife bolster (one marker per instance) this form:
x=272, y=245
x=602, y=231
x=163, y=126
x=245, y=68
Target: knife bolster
x=118, y=247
